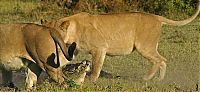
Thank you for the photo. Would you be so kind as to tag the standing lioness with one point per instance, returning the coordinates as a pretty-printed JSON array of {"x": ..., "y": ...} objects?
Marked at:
[
  {"x": 33, "y": 46},
  {"x": 118, "y": 34}
]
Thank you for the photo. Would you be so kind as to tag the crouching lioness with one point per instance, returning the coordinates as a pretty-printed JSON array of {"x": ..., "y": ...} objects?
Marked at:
[
  {"x": 118, "y": 34},
  {"x": 35, "y": 47}
]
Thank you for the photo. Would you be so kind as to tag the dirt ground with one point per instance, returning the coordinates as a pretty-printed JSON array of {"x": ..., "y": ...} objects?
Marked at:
[{"x": 19, "y": 78}]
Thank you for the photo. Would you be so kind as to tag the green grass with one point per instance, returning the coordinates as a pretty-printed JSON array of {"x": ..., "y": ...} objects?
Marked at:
[{"x": 179, "y": 45}]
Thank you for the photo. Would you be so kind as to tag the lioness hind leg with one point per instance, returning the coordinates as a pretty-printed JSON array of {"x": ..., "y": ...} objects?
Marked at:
[
  {"x": 154, "y": 69},
  {"x": 32, "y": 74},
  {"x": 7, "y": 78},
  {"x": 158, "y": 63},
  {"x": 162, "y": 70}
]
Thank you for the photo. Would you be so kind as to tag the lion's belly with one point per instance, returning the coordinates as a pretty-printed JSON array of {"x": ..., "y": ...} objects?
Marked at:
[
  {"x": 119, "y": 51},
  {"x": 120, "y": 41},
  {"x": 14, "y": 63},
  {"x": 119, "y": 47}
]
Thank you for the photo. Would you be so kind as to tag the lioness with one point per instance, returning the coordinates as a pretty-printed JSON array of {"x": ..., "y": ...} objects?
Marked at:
[
  {"x": 118, "y": 34},
  {"x": 33, "y": 46}
]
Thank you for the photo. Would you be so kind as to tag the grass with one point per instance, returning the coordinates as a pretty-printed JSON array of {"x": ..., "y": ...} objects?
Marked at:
[{"x": 179, "y": 45}]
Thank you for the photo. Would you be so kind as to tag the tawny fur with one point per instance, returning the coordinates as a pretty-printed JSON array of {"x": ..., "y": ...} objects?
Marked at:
[
  {"x": 118, "y": 34},
  {"x": 32, "y": 46}
]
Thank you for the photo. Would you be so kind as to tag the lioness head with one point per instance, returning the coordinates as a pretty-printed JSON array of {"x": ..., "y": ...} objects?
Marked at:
[
  {"x": 59, "y": 25},
  {"x": 76, "y": 72}
]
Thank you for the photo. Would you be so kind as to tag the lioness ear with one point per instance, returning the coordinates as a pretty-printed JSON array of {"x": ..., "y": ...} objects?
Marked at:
[{"x": 65, "y": 25}]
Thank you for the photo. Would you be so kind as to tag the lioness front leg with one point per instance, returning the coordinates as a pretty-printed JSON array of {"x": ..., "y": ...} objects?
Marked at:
[
  {"x": 32, "y": 74},
  {"x": 98, "y": 59}
]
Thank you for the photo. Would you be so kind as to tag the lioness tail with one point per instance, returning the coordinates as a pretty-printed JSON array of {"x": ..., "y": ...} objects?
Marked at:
[{"x": 182, "y": 22}]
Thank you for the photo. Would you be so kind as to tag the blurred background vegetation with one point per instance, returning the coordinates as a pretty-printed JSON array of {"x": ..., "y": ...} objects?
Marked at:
[
  {"x": 39, "y": 9},
  {"x": 160, "y": 7}
]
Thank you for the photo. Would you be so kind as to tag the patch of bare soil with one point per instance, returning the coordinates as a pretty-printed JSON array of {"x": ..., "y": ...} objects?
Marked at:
[{"x": 19, "y": 80}]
